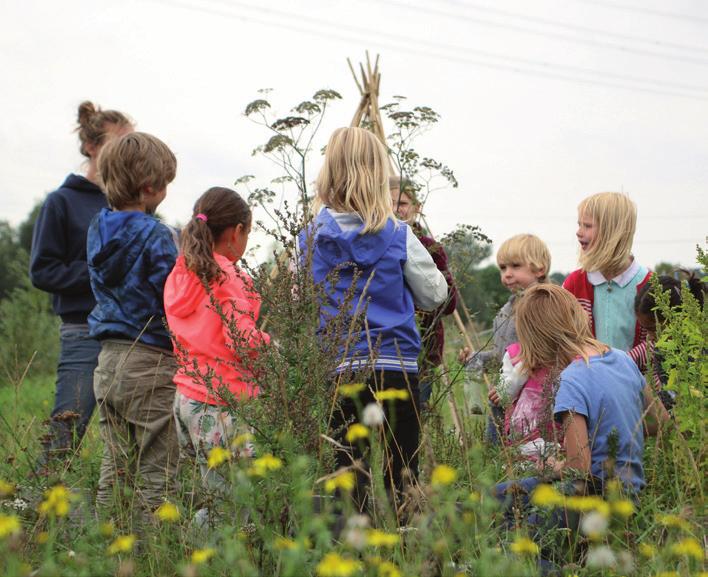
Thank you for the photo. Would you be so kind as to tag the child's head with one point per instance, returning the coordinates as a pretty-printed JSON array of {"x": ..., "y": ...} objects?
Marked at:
[
  {"x": 221, "y": 222},
  {"x": 405, "y": 201},
  {"x": 95, "y": 126},
  {"x": 645, "y": 301},
  {"x": 135, "y": 170},
  {"x": 606, "y": 225},
  {"x": 523, "y": 260},
  {"x": 354, "y": 177},
  {"x": 552, "y": 327}
]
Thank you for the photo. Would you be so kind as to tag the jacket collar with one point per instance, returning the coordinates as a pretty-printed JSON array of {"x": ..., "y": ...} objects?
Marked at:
[{"x": 622, "y": 280}]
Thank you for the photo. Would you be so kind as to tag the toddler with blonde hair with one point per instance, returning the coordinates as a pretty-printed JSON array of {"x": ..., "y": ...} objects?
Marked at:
[{"x": 523, "y": 261}]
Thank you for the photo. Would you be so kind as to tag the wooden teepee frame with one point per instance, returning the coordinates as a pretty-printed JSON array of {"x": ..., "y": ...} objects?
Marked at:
[
  {"x": 369, "y": 115},
  {"x": 368, "y": 111}
]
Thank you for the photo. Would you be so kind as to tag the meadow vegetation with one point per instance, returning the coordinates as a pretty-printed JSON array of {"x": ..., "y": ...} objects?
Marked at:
[{"x": 288, "y": 511}]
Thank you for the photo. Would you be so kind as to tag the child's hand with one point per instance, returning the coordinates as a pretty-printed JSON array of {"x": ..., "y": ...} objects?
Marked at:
[
  {"x": 556, "y": 465},
  {"x": 465, "y": 354},
  {"x": 494, "y": 397}
]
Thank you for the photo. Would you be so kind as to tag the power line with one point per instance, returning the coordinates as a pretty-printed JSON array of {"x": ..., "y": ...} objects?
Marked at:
[
  {"x": 559, "y": 35},
  {"x": 547, "y": 69},
  {"x": 576, "y": 27},
  {"x": 650, "y": 11},
  {"x": 483, "y": 53}
]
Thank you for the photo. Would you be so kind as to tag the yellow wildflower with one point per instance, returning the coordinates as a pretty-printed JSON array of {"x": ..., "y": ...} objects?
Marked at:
[
  {"x": 9, "y": 525},
  {"x": 355, "y": 432},
  {"x": 285, "y": 544},
  {"x": 585, "y": 504},
  {"x": 106, "y": 529},
  {"x": 217, "y": 456},
  {"x": 344, "y": 481},
  {"x": 122, "y": 544},
  {"x": 6, "y": 489},
  {"x": 376, "y": 538},
  {"x": 263, "y": 465},
  {"x": 668, "y": 574},
  {"x": 623, "y": 508},
  {"x": 201, "y": 556},
  {"x": 392, "y": 395},
  {"x": 56, "y": 501},
  {"x": 333, "y": 565},
  {"x": 241, "y": 440},
  {"x": 646, "y": 550},
  {"x": 689, "y": 547},
  {"x": 546, "y": 496},
  {"x": 42, "y": 537},
  {"x": 614, "y": 486},
  {"x": 443, "y": 475},
  {"x": 673, "y": 521},
  {"x": 351, "y": 389},
  {"x": 524, "y": 546},
  {"x": 167, "y": 512},
  {"x": 388, "y": 569}
]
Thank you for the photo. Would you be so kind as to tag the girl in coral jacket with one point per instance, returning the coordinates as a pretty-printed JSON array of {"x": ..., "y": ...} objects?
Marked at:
[
  {"x": 213, "y": 333},
  {"x": 609, "y": 278}
]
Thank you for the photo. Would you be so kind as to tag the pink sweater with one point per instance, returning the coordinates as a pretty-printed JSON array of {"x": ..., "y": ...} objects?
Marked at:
[{"x": 205, "y": 338}]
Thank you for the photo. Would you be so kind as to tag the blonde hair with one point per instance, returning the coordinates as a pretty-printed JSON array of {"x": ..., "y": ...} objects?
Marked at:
[
  {"x": 526, "y": 249},
  {"x": 552, "y": 327},
  {"x": 131, "y": 163},
  {"x": 614, "y": 218},
  {"x": 354, "y": 177}
]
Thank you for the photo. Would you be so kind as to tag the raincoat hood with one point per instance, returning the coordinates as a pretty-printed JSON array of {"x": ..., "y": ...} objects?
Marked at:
[
  {"x": 191, "y": 289},
  {"x": 335, "y": 244},
  {"x": 130, "y": 255},
  {"x": 121, "y": 241}
]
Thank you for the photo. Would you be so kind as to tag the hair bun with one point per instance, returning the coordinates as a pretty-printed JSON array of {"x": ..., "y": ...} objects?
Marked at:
[{"x": 86, "y": 110}]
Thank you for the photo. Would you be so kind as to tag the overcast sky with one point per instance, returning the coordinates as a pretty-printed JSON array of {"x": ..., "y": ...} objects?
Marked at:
[{"x": 542, "y": 102}]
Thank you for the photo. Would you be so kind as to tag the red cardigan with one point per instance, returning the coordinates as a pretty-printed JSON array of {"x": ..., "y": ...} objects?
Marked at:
[{"x": 578, "y": 284}]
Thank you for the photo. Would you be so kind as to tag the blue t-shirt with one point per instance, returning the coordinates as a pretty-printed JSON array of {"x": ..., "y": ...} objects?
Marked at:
[{"x": 608, "y": 393}]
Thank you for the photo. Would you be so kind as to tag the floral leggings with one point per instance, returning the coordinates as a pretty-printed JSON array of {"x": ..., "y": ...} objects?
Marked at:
[{"x": 202, "y": 427}]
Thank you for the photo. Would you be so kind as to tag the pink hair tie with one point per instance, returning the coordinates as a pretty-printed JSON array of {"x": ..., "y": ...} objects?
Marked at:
[{"x": 201, "y": 216}]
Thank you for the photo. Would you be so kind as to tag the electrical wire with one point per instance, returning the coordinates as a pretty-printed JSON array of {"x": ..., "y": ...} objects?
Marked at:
[
  {"x": 570, "y": 26},
  {"x": 485, "y": 54},
  {"x": 515, "y": 64},
  {"x": 559, "y": 35},
  {"x": 650, "y": 11}
]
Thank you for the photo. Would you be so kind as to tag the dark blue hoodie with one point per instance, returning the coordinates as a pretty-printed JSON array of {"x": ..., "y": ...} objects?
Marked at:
[
  {"x": 58, "y": 261},
  {"x": 381, "y": 291},
  {"x": 130, "y": 255}
]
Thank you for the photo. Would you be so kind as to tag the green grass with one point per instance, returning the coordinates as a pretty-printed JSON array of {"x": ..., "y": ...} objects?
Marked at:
[{"x": 268, "y": 526}]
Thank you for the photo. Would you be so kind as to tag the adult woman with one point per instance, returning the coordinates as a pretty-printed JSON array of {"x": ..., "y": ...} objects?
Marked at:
[{"x": 58, "y": 266}]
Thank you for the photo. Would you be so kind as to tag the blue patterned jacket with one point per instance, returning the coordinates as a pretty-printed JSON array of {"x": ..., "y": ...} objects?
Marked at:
[{"x": 130, "y": 255}]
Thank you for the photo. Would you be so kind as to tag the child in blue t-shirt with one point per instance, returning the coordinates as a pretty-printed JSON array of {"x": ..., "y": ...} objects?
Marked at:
[{"x": 601, "y": 397}]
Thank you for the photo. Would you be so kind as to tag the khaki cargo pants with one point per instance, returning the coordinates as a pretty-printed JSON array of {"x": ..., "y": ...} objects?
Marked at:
[{"x": 135, "y": 393}]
